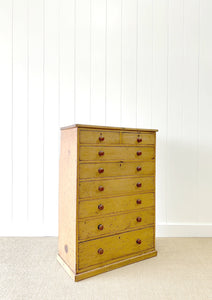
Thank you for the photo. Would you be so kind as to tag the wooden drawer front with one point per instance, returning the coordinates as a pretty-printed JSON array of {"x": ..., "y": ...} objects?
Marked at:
[
  {"x": 115, "y": 247},
  {"x": 99, "y": 137},
  {"x": 106, "y": 169},
  {"x": 138, "y": 138},
  {"x": 109, "y": 187},
  {"x": 93, "y": 228},
  {"x": 116, "y": 153},
  {"x": 101, "y": 207}
]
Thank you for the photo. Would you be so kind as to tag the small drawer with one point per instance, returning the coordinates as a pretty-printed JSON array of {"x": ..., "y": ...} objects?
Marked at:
[
  {"x": 93, "y": 228},
  {"x": 138, "y": 138},
  {"x": 111, "y": 187},
  {"x": 105, "y": 206},
  {"x": 99, "y": 137},
  {"x": 107, "y": 169},
  {"x": 100, "y": 251},
  {"x": 105, "y": 153}
]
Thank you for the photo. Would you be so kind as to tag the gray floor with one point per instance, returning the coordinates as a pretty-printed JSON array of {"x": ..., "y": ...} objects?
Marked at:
[{"x": 182, "y": 270}]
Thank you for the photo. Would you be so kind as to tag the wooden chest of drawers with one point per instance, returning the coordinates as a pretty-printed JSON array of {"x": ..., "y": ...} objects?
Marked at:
[{"x": 106, "y": 198}]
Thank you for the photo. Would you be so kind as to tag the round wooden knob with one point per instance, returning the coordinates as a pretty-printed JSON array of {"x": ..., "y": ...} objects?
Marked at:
[
  {"x": 138, "y": 241},
  {"x": 101, "y": 170},
  {"x": 101, "y": 188},
  {"x": 100, "y": 227},
  {"x": 138, "y": 184},
  {"x": 139, "y": 153},
  {"x": 101, "y": 138},
  {"x": 138, "y": 201},
  {"x": 100, "y": 251},
  {"x": 100, "y": 206},
  {"x": 101, "y": 153},
  {"x": 138, "y": 168},
  {"x": 138, "y": 219},
  {"x": 139, "y": 140}
]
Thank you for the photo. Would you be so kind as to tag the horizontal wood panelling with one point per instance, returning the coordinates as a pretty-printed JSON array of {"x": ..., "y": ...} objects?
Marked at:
[{"x": 139, "y": 63}]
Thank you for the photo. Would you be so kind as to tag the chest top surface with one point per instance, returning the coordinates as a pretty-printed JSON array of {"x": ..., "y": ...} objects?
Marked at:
[{"x": 108, "y": 128}]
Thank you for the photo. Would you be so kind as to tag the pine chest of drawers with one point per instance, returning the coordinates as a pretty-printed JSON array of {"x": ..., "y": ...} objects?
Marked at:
[{"x": 106, "y": 198}]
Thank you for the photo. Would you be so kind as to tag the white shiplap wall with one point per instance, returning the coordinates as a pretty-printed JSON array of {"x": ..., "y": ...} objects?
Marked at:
[{"x": 132, "y": 63}]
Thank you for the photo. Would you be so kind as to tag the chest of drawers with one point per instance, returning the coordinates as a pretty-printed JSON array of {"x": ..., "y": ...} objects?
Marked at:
[{"x": 106, "y": 198}]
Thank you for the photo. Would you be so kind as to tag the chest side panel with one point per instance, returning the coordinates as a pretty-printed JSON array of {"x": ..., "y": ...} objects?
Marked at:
[{"x": 68, "y": 197}]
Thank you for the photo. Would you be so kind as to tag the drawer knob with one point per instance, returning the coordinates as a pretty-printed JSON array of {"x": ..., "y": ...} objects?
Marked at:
[
  {"x": 101, "y": 153},
  {"x": 101, "y": 188},
  {"x": 100, "y": 227},
  {"x": 100, "y": 206},
  {"x": 138, "y": 219},
  {"x": 139, "y": 168},
  {"x": 139, "y": 140},
  {"x": 101, "y": 170},
  {"x": 138, "y": 241},
  {"x": 101, "y": 138},
  {"x": 100, "y": 251},
  {"x": 139, "y": 184},
  {"x": 138, "y": 201},
  {"x": 139, "y": 153}
]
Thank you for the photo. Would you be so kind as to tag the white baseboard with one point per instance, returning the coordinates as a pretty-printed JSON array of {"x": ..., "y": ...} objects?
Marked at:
[
  {"x": 28, "y": 230},
  {"x": 184, "y": 230},
  {"x": 162, "y": 230}
]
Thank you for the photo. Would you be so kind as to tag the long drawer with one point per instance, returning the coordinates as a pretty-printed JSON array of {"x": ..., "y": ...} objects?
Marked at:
[
  {"x": 105, "y": 206},
  {"x": 105, "y": 249},
  {"x": 93, "y": 228},
  {"x": 110, "y": 169},
  {"x": 111, "y": 187},
  {"x": 104, "y": 153}
]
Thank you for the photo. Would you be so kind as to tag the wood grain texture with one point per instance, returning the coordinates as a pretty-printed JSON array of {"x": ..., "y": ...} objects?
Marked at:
[
  {"x": 92, "y": 137},
  {"x": 138, "y": 139},
  {"x": 81, "y": 228},
  {"x": 106, "y": 268},
  {"x": 121, "y": 186},
  {"x": 68, "y": 198},
  {"x": 114, "y": 205},
  {"x": 95, "y": 127},
  {"x": 93, "y": 170},
  {"x": 88, "y": 228},
  {"x": 115, "y": 247},
  {"x": 116, "y": 153}
]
